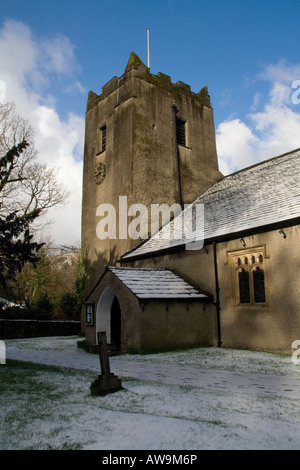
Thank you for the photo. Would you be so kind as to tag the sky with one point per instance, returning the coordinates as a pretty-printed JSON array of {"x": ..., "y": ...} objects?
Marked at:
[{"x": 246, "y": 51}]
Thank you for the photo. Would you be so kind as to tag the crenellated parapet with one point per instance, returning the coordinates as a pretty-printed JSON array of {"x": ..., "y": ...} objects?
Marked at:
[{"x": 135, "y": 68}]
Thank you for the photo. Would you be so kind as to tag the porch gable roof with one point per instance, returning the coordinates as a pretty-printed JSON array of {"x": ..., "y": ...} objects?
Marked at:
[{"x": 148, "y": 283}]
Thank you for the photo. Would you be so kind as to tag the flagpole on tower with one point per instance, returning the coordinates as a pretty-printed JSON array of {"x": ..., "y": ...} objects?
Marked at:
[{"x": 148, "y": 48}]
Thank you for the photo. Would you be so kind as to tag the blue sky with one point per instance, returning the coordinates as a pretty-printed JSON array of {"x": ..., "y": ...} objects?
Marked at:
[{"x": 53, "y": 52}]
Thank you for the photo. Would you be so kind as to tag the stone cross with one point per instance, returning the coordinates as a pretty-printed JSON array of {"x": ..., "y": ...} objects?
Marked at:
[
  {"x": 106, "y": 382},
  {"x": 103, "y": 353}
]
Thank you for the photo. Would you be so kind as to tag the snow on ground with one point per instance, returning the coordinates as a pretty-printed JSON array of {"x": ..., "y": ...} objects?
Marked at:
[
  {"x": 234, "y": 360},
  {"x": 50, "y": 343},
  {"x": 51, "y": 408}
]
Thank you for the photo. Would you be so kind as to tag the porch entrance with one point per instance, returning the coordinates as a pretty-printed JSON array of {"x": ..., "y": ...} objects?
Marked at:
[{"x": 108, "y": 319}]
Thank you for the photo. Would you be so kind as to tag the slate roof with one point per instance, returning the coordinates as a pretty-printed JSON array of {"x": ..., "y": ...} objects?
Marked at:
[
  {"x": 262, "y": 195},
  {"x": 147, "y": 283}
]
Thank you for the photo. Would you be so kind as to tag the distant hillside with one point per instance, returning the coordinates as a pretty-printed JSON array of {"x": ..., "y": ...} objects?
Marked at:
[{"x": 64, "y": 267}]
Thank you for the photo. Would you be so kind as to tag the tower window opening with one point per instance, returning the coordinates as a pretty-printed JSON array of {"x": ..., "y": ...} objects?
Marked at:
[
  {"x": 180, "y": 132},
  {"x": 103, "y": 138}
]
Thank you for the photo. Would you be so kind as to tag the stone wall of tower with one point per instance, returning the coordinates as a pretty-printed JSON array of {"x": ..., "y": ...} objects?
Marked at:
[{"x": 140, "y": 153}]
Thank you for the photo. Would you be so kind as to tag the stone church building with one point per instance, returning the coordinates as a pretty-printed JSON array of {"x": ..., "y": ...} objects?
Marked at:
[{"x": 151, "y": 143}]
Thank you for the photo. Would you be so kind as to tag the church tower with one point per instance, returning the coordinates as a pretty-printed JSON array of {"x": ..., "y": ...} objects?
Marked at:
[{"x": 149, "y": 140}]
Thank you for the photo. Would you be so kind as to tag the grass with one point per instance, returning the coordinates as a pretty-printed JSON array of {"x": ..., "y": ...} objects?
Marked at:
[
  {"x": 32, "y": 394},
  {"x": 46, "y": 407}
]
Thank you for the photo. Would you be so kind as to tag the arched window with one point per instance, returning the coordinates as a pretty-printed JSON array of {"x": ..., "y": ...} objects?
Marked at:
[
  {"x": 249, "y": 276},
  {"x": 244, "y": 286},
  {"x": 259, "y": 285}
]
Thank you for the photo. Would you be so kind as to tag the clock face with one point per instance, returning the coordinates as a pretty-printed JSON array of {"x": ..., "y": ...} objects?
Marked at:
[{"x": 99, "y": 173}]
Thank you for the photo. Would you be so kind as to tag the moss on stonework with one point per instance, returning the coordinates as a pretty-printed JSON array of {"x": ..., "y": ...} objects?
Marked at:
[
  {"x": 164, "y": 81},
  {"x": 134, "y": 61},
  {"x": 156, "y": 79}
]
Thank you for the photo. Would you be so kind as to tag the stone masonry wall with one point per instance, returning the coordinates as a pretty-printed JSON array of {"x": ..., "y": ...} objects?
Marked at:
[{"x": 11, "y": 329}]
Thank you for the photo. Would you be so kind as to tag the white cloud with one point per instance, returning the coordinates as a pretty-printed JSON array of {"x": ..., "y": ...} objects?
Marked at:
[
  {"x": 273, "y": 130},
  {"x": 74, "y": 87},
  {"x": 18, "y": 51},
  {"x": 27, "y": 66},
  {"x": 58, "y": 53},
  {"x": 256, "y": 100},
  {"x": 60, "y": 144},
  {"x": 282, "y": 72},
  {"x": 235, "y": 142}
]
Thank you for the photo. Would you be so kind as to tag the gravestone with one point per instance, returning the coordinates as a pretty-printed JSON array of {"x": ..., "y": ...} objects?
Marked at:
[
  {"x": 2, "y": 353},
  {"x": 106, "y": 382}
]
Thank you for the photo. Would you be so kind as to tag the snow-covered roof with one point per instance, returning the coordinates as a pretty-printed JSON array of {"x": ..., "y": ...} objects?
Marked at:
[
  {"x": 147, "y": 283},
  {"x": 265, "y": 194}
]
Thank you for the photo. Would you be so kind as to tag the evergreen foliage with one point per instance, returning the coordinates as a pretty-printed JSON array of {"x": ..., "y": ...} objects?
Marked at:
[{"x": 16, "y": 244}]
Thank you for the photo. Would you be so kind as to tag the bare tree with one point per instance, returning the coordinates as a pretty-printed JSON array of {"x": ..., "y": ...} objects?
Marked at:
[
  {"x": 27, "y": 190},
  {"x": 27, "y": 185}
]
